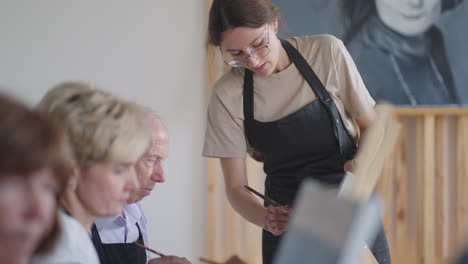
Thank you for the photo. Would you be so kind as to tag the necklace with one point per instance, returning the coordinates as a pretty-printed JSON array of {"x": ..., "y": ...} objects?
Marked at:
[{"x": 404, "y": 83}]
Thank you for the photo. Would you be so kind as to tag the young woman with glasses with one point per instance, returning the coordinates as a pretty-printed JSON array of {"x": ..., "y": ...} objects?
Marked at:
[{"x": 298, "y": 105}]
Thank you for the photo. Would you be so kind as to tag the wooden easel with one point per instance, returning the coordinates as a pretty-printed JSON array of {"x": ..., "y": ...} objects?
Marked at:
[{"x": 375, "y": 148}]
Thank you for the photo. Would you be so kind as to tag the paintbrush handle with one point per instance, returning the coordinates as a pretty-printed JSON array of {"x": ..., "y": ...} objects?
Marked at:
[
  {"x": 149, "y": 249},
  {"x": 267, "y": 199}
]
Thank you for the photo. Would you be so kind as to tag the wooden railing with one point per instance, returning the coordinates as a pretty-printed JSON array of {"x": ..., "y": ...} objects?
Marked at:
[
  {"x": 424, "y": 185},
  {"x": 227, "y": 232}
]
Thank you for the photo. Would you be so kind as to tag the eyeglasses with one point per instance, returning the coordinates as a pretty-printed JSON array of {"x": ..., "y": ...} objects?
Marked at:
[{"x": 240, "y": 61}]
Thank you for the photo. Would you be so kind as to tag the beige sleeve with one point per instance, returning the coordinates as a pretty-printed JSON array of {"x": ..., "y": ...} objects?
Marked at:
[
  {"x": 224, "y": 138},
  {"x": 353, "y": 92}
]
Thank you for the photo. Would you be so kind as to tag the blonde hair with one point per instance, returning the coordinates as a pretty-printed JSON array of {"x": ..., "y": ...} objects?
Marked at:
[{"x": 100, "y": 126}]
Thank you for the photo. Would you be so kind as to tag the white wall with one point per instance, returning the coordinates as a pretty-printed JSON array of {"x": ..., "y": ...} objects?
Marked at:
[{"x": 150, "y": 51}]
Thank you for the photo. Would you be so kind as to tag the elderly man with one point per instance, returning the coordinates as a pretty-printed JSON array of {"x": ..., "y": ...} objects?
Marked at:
[{"x": 113, "y": 237}]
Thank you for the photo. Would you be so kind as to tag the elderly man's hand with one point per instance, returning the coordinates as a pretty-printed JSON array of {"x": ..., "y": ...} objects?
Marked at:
[{"x": 169, "y": 260}]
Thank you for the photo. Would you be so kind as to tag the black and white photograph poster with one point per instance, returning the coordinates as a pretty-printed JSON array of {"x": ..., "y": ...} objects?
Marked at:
[{"x": 408, "y": 52}]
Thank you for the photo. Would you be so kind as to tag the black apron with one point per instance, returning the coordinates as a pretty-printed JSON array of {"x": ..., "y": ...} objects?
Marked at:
[
  {"x": 119, "y": 253},
  {"x": 310, "y": 143}
]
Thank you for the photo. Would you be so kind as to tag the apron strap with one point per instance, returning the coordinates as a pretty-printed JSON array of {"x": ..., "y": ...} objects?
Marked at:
[
  {"x": 95, "y": 235},
  {"x": 248, "y": 95},
  {"x": 140, "y": 236},
  {"x": 322, "y": 93},
  {"x": 97, "y": 243}
]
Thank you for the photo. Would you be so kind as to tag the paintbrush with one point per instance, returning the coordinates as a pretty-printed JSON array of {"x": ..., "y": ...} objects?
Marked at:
[
  {"x": 149, "y": 249},
  {"x": 267, "y": 199}
]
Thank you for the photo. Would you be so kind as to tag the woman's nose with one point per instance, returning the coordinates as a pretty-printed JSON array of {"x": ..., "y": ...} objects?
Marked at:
[{"x": 252, "y": 62}]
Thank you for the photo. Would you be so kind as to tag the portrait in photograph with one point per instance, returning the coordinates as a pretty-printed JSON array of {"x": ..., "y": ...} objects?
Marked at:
[{"x": 408, "y": 52}]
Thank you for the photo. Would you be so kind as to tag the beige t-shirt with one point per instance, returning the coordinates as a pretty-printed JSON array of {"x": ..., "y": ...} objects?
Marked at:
[{"x": 283, "y": 93}]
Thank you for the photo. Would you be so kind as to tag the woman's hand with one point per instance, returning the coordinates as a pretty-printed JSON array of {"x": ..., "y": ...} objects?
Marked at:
[
  {"x": 169, "y": 260},
  {"x": 349, "y": 165},
  {"x": 234, "y": 260},
  {"x": 276, "y": 219}
]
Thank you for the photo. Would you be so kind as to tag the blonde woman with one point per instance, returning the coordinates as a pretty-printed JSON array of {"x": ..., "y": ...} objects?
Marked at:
[{"x": 107, "y": 136}]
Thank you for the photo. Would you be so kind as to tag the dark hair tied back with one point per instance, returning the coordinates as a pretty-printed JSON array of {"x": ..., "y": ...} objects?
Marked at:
[{"x": 226, "y": 14}]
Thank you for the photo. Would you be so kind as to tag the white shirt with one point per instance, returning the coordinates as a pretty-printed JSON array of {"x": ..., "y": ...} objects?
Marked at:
[
  {"x": 120, "y": 229},
  {"x": 74, "y": 245}
]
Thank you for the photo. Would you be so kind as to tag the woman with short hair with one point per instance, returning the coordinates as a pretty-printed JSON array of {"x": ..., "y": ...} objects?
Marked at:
[
  {"x": 107, "y": 137},
  {"x": 34, "y": 164}
]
